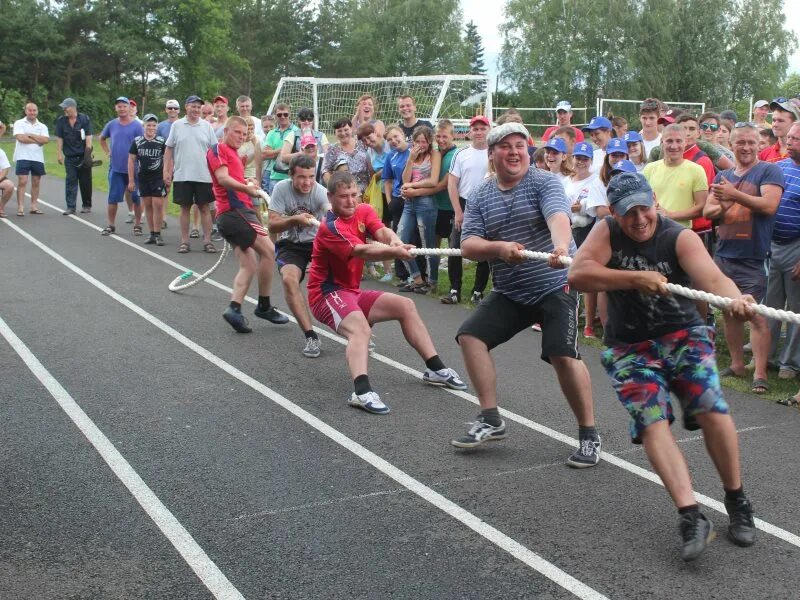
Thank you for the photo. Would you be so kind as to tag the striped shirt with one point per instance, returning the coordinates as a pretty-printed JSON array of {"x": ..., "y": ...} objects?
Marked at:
[
  {"x": 520, "y": 215},
  {"x": 787, "y": 219}
]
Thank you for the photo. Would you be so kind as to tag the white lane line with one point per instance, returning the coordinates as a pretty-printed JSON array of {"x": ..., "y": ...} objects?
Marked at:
[
  {"x": 184, "y": 543},
  {"x": 495, "y": 536},
  {"x": 613, "y": 459},
  {"x": 694, "y": 438}
]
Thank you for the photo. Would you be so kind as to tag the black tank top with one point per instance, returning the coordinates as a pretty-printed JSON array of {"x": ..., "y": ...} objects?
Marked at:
[{"x": 633, "y": 316}]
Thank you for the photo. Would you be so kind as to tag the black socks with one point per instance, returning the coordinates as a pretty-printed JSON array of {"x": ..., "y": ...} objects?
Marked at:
[
  {"x": 361, "y": 384},
  {"x": 263, "y": 302},
  {"x": 311, "y": 334},
  {"x": 236, "y": 306},
  {"x": 692, "y": 508},
  {"x": 434, "y": 363}
]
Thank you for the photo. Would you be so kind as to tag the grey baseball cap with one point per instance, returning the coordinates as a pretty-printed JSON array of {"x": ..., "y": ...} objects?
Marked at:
[
  {"x": 149, "y": 117},
  {"x": 627, "y": 190},
  {"x": 501, "y": 132},
  {"x": 68, "y": 103}
]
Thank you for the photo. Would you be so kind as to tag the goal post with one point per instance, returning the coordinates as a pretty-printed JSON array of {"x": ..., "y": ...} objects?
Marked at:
[{"x": 454, "y": 97}]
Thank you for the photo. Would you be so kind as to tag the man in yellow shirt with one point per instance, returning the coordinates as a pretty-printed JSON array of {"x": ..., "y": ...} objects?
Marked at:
[{"x": 680, "y": 185}]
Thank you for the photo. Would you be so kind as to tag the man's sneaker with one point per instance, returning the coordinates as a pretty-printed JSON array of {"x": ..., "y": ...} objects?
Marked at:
[
  {"x": 697, "y": 531},
  {"x": 742, "y": 528},
  {"x": 446, "y": 377},
  {"x": 151, "y": 239},
  {"x": 130, "y": 218},
  {"x": 479, "y": 433},
  {"x": 159, "y": 240},
  {"x": 587, "y": 454},
  {"x": 86, "y": 209},
  {"x": 588, "y": 332},
  {"x": 69, "y": 211},
  {"x": 370, "y": 402},
  {"x": 272, "y": 315},
  {"x": 215, "y": 236},
  {"x": 451, "y": 298},
  {"x": 476, "y": 298},
  {"x": 236, "y": 320},
  {"x": 194, "y": 233},
  {"x": 313, "y": 348}
]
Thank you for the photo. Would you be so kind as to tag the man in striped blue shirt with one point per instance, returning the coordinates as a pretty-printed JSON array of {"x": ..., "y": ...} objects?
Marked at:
[
  {"x": 783, "y": 287},
  {"x": 523, "y": 209}
]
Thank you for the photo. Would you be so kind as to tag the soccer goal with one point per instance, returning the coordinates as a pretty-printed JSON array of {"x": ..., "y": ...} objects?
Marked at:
[{"x": 454, "y": 97}]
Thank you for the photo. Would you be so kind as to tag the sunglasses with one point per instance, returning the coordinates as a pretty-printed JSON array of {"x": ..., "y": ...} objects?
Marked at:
[
  {"x": 281, "y": 114},
  {"x": 707, "y": 126},
  {"x": 741, "y": 124},
  {"x": 172, "y": 108},
  {"x": 649, "y": 105}
]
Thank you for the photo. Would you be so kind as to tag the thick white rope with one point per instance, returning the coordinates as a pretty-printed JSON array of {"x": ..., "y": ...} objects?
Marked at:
[{"x": 719, "y": 301}]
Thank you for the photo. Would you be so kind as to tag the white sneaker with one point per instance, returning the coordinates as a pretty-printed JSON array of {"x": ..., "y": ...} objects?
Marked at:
[
  {"x": 313, "y": 348},
  {"x": 370, "y": 402},
  {"x": 130, "y": 218},
  {"x": 446, "y": 377}
]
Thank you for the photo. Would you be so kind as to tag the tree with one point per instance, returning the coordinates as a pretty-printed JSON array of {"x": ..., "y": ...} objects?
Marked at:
[{"x": 475, "y": 50}]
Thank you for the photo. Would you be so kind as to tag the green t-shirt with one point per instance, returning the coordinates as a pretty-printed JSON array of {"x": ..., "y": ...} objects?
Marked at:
[
  {"x": 443, "y": 198},
  {"x": 274, "y": 140}
]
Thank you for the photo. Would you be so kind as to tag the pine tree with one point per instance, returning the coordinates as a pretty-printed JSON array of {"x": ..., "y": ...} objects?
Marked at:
[{"x": 474, "y": 45}]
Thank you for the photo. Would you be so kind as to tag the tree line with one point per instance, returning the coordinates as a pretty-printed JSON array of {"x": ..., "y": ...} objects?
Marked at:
[{"x": 721, "y": 51}]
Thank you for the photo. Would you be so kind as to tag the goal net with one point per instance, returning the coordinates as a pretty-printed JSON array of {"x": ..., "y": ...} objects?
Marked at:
[
  {"x": 630, "y": 108},
  {"x": 454, "y": 97}
]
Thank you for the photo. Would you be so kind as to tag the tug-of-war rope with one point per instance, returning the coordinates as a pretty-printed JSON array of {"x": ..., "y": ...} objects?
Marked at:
[{"x": 185, "y": 280}]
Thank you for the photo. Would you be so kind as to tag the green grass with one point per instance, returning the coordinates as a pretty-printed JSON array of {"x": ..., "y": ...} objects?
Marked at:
[{"x": 52, "y": 168}]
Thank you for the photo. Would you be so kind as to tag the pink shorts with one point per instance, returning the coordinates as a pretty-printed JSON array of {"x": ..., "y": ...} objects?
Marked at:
[{"x": 335, "y": 306}]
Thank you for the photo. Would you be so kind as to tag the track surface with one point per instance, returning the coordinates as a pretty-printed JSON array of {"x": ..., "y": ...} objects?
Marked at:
[{"x": 257, "y": 481}]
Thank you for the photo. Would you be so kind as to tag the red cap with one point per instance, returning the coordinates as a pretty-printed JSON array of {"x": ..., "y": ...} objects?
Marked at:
[
  {"x": 222, "y": 99},
  {"x": 479, "y": 119},
  {"x": 666, "y": 120},
  {"x": 132, "y": 103}
]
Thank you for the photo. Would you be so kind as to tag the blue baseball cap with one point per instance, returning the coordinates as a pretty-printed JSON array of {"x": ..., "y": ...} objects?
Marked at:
[
  {"x": 583, "y": 149},
  {"x": 122, "y": 99},
  {"x": 598, "y": 123},
  {"x": 632, "y": 136},
  {"x": 617, "y": 145},
  {"x": 627, "y": 190},
  {"x": 557, "y": 144},
  {"x": 622, "y": 166},
  {"x": 192, "y": 99}
]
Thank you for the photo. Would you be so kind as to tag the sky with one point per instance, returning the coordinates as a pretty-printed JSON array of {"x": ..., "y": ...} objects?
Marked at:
[{"x": 488, "y": 22}]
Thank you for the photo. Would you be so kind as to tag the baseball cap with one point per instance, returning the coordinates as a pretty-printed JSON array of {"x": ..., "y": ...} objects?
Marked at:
[
  {"x": 173, "y": 104},
  {"x": 122, "y": 99},
  {"x": 192, "y": 99},
  {"x": 632, "y": 136},
  {"x": 557, "y": 144},
  {"x": 479, "y": 119},
  {"x": 308, "y": 140},
  {"x": 68, "y": 102},
  {"x": 787, "y": 105},
  {"x": 583, "y": 149},
  {"x": 564, "y": 105},
  {"x": 627, "y": 190},
  {"x": 666, "y": 120},
  {"x": 132, "y": 103},
  {"x": 501, "y": 132},
  {"x": 760, "y": 103},
  {"x": 222, "y": 99},
  {"x": 729, "y": 114},
  {"x": 622, "y": 166},
  {"x": 149, "y": 117},
  {"x": 341, "y": 164},
  {"x": 598, "y": 123},
  {"x": 617, "y": 145}
]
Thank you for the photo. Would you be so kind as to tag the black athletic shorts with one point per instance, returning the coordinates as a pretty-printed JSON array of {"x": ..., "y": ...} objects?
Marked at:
[
  {"x": 292, "y": 253},
  {"x": 186, "y": 193},
  {"x": 152, "y": 188},
  {"x": 497, "y": 319},
  {"x": 444, "y": 223},
  {"x": 240, "y": 227}
]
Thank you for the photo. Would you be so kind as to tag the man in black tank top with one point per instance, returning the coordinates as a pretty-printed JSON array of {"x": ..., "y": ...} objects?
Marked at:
[{"x": 658, "y": 345}]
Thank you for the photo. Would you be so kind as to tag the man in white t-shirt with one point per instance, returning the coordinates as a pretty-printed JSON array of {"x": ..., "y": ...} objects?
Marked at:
[
  {"x": 599, "y": 129},
  {"x": 467, "y": 171},
  {"x": 649, "y": 113},
  {"x": 6, "y": 185},
  {"x": 31, "y": 134},
  {"x": 244, "y": 106}
]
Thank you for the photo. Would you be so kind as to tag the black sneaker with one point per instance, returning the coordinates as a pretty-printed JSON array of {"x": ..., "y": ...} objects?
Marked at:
[
  {"x": 272, "y": 315},
  {"x": 151, "y": 239},
  {"x": 479, "y": 433},
  {"x": 476, "y": 298},
  {"x": 236, "y": 320},
  {"x": 587, "y": 454},
  {"x": 697, "y": 531},
  {"x": 451, "y": 298},
  {"x": 69, "y": 211},
  {"x": 742, "y": 528}
]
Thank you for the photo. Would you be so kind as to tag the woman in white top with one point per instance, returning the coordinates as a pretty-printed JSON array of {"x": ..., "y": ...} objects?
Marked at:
[
  {"x": 587, "y": 198},
  {"x": 557, "y": 160},
  {"x": 635, "y": 149}
]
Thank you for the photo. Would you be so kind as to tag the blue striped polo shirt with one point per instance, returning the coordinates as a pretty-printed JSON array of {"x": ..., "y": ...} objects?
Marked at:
[
  {"x": 787, "y": 219},
  {"x": 520, "y": 215}
]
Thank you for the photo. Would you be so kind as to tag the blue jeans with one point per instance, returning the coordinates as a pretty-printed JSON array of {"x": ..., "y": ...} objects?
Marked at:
[{"x": 420, "y": 213}]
